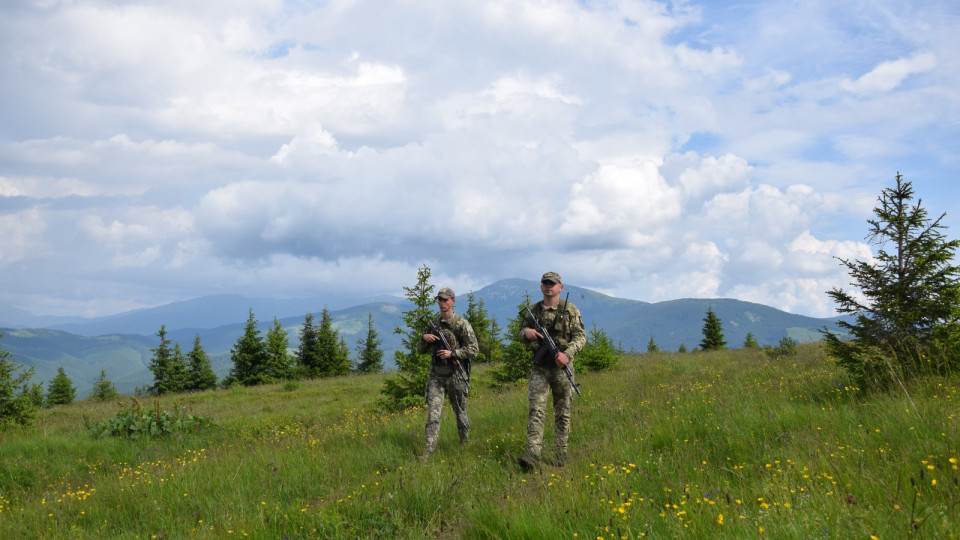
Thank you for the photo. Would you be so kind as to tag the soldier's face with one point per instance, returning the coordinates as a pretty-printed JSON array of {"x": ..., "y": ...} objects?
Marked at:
[
  {"x": 446, "y": 304},
  {"x": 550, "y": 288}
]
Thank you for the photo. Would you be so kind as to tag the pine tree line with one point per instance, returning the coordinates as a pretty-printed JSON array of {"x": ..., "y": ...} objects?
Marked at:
[{"x": 261, "y": 359}]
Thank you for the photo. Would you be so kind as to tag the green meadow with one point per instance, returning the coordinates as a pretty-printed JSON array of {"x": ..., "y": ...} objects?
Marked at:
[{"x": 728, "y": 444}]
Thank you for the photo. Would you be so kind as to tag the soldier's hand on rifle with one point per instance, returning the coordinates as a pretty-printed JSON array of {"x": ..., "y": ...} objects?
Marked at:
[
  {"x": 562, "y": 359},
  {"x": 530, "y": 334},
  {"x": 430, "y": 338},
  {"x": 444, "y": 354}
]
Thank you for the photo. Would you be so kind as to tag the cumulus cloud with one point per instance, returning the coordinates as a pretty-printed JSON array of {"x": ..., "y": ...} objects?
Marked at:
[{"x": 620, "y": 206}]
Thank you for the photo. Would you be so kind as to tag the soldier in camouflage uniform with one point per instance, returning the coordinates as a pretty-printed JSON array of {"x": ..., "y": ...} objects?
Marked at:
[
  {"x": 445, "y": 378},
  {"x": 562, "y": 320}
]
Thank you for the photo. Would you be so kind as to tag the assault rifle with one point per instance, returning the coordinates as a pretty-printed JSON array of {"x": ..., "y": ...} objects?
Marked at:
[
  {"x": 548, "y": 347},
  {"x": 444, "y": 345}
]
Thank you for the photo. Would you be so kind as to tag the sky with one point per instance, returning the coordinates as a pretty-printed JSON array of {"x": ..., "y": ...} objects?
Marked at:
[{"x": 152, "y": 152}]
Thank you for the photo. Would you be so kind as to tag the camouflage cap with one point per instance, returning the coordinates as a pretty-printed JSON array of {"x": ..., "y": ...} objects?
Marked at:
[
  {"x": 446, "y": 293},
  {"x": 551, "y": 276}
]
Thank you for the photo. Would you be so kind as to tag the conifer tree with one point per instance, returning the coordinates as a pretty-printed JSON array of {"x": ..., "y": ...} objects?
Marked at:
[
  {"x": 652, "y": 346},
  {"x": 178, "y": 369},
  {"x": 486, "y": 330},
  {"x": 308, "y": 352},
  {"x": 326, "y": 344},
  {"x": 164, "y": 366},
  {"x": 343, "y": 365},
  {"x": 103, "y": 388},
  {"x": 907, "y": 312},
  {"x": 333, "y": 355},
  {"x": 786, "y": 347},
  {"x": 517, "y": 355},
  {"x": 278, "y": 365},
  {"x": 712, "y": 333},
  {"x": 61, "y": 390},
  {"x": 16, "y": 405},
  {"x": 682, "y": 349},
  {"x": 406, "y": 388},
  {"x": 34, "y": 392},
  {"x": 369, "y": 353},
  {"x": 599, "y": 353},
  {"x": 249, "y": 356},
  {"x": 200, "y": 375},
  {"x": 750, "y": 342}
]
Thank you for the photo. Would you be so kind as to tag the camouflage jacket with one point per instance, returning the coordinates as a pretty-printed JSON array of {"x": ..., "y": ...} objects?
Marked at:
[
  {"x": 564, "y": 323},
  {"x": 464, "y": 344}
]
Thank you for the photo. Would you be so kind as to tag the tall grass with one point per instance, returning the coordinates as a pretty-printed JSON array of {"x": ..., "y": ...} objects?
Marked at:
[{"x": 730, "y": 444}]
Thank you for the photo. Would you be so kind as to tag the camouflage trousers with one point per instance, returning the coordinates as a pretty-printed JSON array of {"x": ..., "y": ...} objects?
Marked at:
[
  {"x": 439, "y": 386},
  {"x": 543, "y": 380}
]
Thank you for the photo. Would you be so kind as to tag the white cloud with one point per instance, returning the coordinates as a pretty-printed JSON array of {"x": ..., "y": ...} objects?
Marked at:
[
  {"x": 820, "y": 257},
  {"x": 43, "y": 188},
  {"x": 772, "y": 80},
  {"x": 889, "y": 75},
  {"x": 705, "y": 261},
  {"x": 21, "y": 231},
  {"x": 626, "y": 204},
  {"x": 254, "y": 100},
  {"x": 117, "y": 165},
  {"x": 143, "y": 236},
  {"x": 713, "y": 175}
]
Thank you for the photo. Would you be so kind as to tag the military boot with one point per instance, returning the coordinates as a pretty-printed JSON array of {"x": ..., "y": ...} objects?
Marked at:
[{"x": 528, "y": 462}]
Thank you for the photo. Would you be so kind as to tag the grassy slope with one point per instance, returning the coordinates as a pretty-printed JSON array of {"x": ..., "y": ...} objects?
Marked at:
[{"x": 721, "y": 445}]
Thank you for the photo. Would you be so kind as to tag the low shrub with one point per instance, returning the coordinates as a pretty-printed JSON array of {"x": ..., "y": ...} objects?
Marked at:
[{"x": 135, "y": 422}]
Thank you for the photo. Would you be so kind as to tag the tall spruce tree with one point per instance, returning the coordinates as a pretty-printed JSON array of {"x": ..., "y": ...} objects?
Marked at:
[
  {"x": 200, "y": 375},
  {"x": 333, "y": 354},
  {"x": 164, "y": 366},
  {"x": 278, "y": 366},
  {"x": 907, "y": 312},
  {"x": 178, "y": 369},
  {"x": 326, "y": 344},
  {"x": 61, "y": 390},
  {"x": 308, "y": 352},
  {"x": 652, "y": 346},
  {"x": 712, "y": 333},
  {"x": 750, "y": 342},
  {"x": 249, "y": 356},
  {"x": 406, "y": 388},
  {"x": 369, "y": 353}
]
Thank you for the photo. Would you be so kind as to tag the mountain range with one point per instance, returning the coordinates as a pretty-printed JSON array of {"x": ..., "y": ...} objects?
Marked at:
[{"x": 121, "y": 344}]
